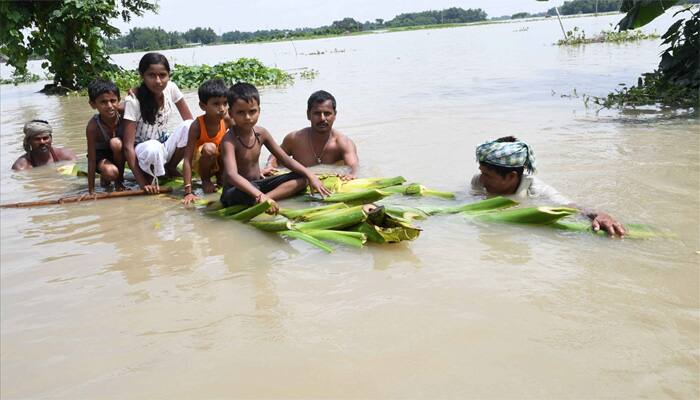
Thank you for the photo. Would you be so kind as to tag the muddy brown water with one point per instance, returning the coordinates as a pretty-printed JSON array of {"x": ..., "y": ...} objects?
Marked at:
[{"x": 140, "y": 298}]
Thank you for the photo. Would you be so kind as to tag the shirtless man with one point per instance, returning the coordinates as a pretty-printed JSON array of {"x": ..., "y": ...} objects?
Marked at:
[
  {"x": 319, "y": 143},
  {"x": 37, "y": 144}
]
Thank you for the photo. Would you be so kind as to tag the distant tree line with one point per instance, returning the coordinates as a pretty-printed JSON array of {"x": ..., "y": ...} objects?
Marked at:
[{"x": 157, "y": 38}]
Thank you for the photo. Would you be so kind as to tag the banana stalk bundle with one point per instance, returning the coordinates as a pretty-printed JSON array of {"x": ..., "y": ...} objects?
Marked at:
[{"x": 351, "y": 218}]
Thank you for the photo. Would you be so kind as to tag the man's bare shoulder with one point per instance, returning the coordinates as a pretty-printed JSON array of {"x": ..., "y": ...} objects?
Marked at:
[
  {"x": 64, "y": 154},
  {"x": 342, "y": 139},
  {"x": 296, "y": 135},
  {"x": 22, "y": 163}
]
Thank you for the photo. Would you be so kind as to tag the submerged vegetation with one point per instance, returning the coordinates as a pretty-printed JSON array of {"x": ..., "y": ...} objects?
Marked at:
[{"x": 577, "y": 36}]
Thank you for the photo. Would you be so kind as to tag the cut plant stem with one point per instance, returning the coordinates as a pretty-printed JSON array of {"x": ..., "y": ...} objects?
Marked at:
[
  {"x": 251, "y": 212},
  {"x": 302, "y": 213},
  {"x": 337, "y": 220},
  {"x": 364, "y": 196},
  {"x": 272, "y": 225}
]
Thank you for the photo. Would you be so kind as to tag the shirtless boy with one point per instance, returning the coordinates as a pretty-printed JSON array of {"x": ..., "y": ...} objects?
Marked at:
[
  {"x": 38, "y": 145},
  {"x": 104, "y": 133},
  {"x": 240, "y": 149},
  {"x": 206, "y": 132},
  {"x": 507, "y": 166},
  {"x": 319, "y": 143}
]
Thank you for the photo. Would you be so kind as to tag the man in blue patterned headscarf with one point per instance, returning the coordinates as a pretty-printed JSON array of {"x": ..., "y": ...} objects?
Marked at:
[
  {"x": 502, "y": 163},
  {"x": 507, "y": 152},
  {"x": 507, "y": 166}
]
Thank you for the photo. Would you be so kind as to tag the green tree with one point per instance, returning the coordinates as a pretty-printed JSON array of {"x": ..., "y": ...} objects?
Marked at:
[
  {"x": 346, "y": 25},
  {"x": 68, "y": 33},
  {"x": 201, "y": 35},
  {"x": 676, "y": 81}
]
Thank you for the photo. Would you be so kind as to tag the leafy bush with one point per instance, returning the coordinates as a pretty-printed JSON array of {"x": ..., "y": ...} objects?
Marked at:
[
  {"x": 248, "y": 70},
  {"x": 676, "y": 81}
]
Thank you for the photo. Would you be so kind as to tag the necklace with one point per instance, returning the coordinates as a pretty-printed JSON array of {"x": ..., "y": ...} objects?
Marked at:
[
  {"x": 112, "y": 128},
  {"x": 318, "y": 156},
  {"x": 255, "y": 138}
]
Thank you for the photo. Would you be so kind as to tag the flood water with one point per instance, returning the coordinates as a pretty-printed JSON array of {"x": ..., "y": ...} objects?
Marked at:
[{"x": 141, "y": 298}]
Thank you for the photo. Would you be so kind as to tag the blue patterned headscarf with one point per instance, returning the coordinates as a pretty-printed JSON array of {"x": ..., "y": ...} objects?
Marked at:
[{"x": 507, "y": 154}]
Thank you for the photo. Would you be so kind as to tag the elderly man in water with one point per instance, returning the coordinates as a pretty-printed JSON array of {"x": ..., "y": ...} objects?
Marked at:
[
  {"x": 38, "y": 146},
  {"x": 319, "y": 143},
  {"x": 507, "y": 167}
]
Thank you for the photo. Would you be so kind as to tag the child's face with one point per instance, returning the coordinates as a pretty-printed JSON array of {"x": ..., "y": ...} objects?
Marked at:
[
  {"x": 321, "y": 116},
  {"x": 497, "y": 184},
  {"x": 245, "y": 114},
  {"x": 106, "y": 104},
  {"x": 215, "y": 107},
  {"x": 156, "y": 78}
]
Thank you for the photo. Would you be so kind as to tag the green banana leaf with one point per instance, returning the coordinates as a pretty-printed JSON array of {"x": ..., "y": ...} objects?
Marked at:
[
  {"x": 74, "y": 169},
  {"x": 360, "y": 184},
  {"x": 405, "y": 212},
  {"x": 353, "y": 239},
  {"x": 633, "y": 231},
  {"x": 415, "y": 189},
  {"x": 360, "y": 197},
  {"x": 382, "y": 227},
  {"x": 641, "y": 12},
  {"x": 529, "y": 215},
  {"x": 494, "y": 203},
  {"x": 307, "y": 238}
]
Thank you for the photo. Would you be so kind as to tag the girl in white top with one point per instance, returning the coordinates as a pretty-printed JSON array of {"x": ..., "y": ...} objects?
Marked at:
[{"x": 146, "y": 116}]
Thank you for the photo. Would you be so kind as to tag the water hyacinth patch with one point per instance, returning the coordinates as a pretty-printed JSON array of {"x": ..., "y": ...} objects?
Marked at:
[{"x": 248, "y": 70}]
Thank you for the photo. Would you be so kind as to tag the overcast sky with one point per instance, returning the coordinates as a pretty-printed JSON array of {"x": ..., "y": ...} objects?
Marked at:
[{"x": 252, "y": 15}]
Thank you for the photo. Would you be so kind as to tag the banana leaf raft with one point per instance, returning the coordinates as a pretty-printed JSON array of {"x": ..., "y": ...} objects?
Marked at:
[{"x": 352, "y": 217}]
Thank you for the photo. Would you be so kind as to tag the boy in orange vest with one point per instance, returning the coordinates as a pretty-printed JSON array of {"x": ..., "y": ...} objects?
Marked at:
[{"x": 202, "y": 152}]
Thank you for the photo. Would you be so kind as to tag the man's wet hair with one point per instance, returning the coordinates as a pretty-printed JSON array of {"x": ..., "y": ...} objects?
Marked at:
[
  {"x": 242, "y": 91},
  {"x": 319, "y": 97},
  {"x": 212, "y": 88},
  {"x": 101, "y": 86},
  {"x": 501, "y": 170}
]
